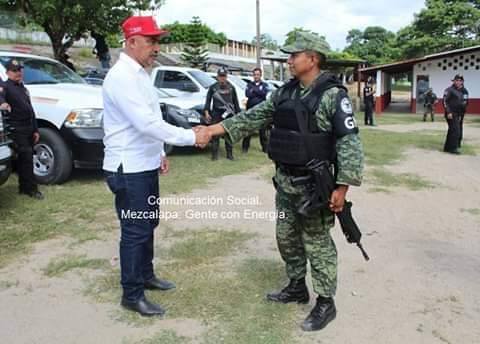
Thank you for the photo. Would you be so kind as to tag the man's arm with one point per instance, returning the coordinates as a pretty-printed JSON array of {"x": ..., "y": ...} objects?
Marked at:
[
  {"x": 249, "y": 90},
  {"x": 3, "y": 97},
  {"x": 348, "y": 146},
  {"x": 245, "y": 123},
  {"x": 208, "y": 100},
  {"x": 236, "y": 105},
  {"x": 264, "y": 90},
  {"x": 134, "y": 107},
  {"x": 446, "y": 99}
]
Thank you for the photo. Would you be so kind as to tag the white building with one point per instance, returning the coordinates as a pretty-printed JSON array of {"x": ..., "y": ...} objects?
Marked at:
[{"x": 435, "y": 71}]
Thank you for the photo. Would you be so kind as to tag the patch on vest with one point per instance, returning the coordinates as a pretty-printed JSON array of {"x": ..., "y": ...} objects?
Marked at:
[{"x": 346, "y": 106}]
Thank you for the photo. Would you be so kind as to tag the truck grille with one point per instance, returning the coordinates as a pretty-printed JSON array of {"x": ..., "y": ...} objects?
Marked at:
[{"x": 4, "y": 128}]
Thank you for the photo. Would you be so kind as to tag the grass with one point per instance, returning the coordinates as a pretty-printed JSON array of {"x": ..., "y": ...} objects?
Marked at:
[
  {"x": 472, "y": 121},
  {"x": 388, "y": 179},
  {"x": 163, "y": 337},
  {"x": 226, "y": 295},
  {"x": 192, "y": 168},
  {"x": 387, "y": 147},
  {"x": 59, "y": 266},
  {"x": 203, "y": 246},
  {"x": 406, "y": 118},
  {"x": 472, "y": 211},
  {"x": 82, "y": 208}
]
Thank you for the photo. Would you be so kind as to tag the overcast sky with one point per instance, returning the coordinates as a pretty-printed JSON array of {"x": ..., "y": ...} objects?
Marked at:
[{"x": 330, "y": 18}]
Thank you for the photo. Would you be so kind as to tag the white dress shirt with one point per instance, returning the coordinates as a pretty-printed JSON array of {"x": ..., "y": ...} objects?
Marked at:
[{"x": 132, "y": 120}]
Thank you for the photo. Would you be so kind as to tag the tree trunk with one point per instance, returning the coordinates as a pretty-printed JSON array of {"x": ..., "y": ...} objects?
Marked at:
[{"x": 59, "y": 47}]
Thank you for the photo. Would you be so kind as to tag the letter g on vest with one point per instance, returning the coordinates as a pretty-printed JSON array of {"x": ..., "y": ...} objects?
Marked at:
[{"x": 343, "y": 120}]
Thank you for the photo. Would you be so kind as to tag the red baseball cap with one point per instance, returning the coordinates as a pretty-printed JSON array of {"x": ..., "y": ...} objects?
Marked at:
[{"x": 141, "y": 25}]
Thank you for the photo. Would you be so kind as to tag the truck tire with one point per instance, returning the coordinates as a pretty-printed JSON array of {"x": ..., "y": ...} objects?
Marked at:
[
  {"x": 5, "y": 173},
  {"x": 52, "y": 159}
]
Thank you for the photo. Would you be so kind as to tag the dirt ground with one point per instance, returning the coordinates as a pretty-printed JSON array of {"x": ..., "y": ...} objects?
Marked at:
[{"x": 420, "y": 286}]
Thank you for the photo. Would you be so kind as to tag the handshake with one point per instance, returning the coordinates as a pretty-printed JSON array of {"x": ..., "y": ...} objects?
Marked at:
[{"x": 203, "y": 135}]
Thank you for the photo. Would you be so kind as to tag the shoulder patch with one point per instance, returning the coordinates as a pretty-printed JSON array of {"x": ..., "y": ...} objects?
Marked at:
[
  {"x": 346, "y": 105},
  {"x": 343, "y": 120}
]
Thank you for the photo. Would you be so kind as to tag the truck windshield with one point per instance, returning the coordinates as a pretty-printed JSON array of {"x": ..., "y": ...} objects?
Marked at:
[
  {"x": 37, "y": 71},
  {"x": 203, "y": 78}
]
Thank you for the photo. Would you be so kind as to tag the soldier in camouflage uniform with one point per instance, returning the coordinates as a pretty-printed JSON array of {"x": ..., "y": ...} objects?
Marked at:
[{"x": 302, "y": 238}]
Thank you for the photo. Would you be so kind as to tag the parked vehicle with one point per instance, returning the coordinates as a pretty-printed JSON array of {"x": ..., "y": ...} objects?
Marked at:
[
  {"x": 183, "y": 79},
  {"x": 69, "y": 117},
  {"x": 94, "y": 76},
  {"x": 5, "y": 151}
]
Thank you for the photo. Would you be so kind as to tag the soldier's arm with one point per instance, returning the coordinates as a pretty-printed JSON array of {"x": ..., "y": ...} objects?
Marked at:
[
  {"x": 246, "y": 122},
  {"x": 208, "y": 100},
  {"x": 349, "y": 149},
  {"x": 236, "y": 104},
  {"x": 446, "y": 98}
]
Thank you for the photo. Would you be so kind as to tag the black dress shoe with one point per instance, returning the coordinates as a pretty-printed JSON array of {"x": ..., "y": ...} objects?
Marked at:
[
  {"x": 323, "y": 312},
  {"x": 144, "y": 307},
  {"x": 34, "y": 194},
  {"x": 295, "y": 291},
  {"x": 159, "y": 284}
]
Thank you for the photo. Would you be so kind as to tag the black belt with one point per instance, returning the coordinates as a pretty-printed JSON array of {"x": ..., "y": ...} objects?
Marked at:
[{"x": 294, "y": 171}]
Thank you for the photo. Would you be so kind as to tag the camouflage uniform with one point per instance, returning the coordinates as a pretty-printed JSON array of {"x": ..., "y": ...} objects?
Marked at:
[{"x": 300, "y": 238}]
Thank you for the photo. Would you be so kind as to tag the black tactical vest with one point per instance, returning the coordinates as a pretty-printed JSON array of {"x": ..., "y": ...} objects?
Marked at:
[{"x": 287, "y": 144}]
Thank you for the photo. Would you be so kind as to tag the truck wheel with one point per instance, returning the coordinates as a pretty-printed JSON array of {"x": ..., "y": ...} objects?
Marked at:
[
  {"x": 52, "y": 160},
  {"x": 5, "y": 171}
]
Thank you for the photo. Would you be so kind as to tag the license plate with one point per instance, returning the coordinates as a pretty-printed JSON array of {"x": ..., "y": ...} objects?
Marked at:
[{"x": 194, "y": 120}]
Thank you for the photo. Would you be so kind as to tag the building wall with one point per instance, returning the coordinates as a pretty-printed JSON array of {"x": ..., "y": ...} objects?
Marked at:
[{"x": 441, "y": 71}]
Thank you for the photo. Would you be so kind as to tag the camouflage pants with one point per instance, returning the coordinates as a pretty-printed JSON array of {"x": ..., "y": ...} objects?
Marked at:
[{"x": 301, "y": 238}]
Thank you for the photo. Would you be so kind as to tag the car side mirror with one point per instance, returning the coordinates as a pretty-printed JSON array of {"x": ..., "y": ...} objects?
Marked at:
[{"x": 189, "y": 87}]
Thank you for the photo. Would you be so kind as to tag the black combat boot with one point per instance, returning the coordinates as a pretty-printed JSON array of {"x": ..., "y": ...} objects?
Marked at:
[
  {"x": 295, "y": 291},
  {"x": 323, "y": 312},
  {"x": 229, "y": 153}
]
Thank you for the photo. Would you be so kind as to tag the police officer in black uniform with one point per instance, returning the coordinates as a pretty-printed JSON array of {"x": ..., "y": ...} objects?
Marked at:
[
  {"x": 15, "y": 98},
  {"x": 455, "y": 101},
  {"x": 368, "y": 92},
  {"x": 221, "y": 103},
  {"x": 256, "y": 93}
]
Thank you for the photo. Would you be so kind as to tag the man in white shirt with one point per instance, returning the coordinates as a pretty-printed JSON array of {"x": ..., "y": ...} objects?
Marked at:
[{"x": 134, "y": 137}]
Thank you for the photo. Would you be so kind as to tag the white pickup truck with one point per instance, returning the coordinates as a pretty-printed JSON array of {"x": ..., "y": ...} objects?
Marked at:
[
  {"x": 191, "y": 80},
  {"x": 69, "y": 116}
]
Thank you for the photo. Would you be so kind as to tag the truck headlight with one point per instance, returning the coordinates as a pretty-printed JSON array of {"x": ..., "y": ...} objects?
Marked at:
[{"x": 84, "y": 118}]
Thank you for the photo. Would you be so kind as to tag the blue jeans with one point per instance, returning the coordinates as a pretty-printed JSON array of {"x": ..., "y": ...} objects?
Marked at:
[{"x": 133, "y": 191}]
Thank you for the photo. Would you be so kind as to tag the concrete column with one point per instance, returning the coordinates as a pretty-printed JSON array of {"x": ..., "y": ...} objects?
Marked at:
[{"x": 379, "y": 92}]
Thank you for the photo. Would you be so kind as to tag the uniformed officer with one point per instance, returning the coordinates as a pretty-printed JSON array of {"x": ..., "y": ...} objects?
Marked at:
[
  {"x": 256, "y": 93},
  {"x": 368, "y": 101},
  {"x": 428, "y": 104},
  {"x": 15, "y": 97},
  {"x": 312, "y": 116},
  {"x": 221, "y": 102},
  {"x": 455, "y": 101}
]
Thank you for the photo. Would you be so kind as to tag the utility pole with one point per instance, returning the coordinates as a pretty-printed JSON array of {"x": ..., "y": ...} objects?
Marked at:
[{"x": 259, "y": 48}]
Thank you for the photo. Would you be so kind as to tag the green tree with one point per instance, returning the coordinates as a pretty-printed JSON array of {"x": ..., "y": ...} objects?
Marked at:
[
  {"x": 291, "y": 36},
  {"x": 266, "y": 41},
  {"x": 65, "y": 22},
  {"x": 442, "y": 25},
  {"x": 375, "y": 44},
  {"x": 195, "y": 54},
  {"x": 180, "y": 33}
]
